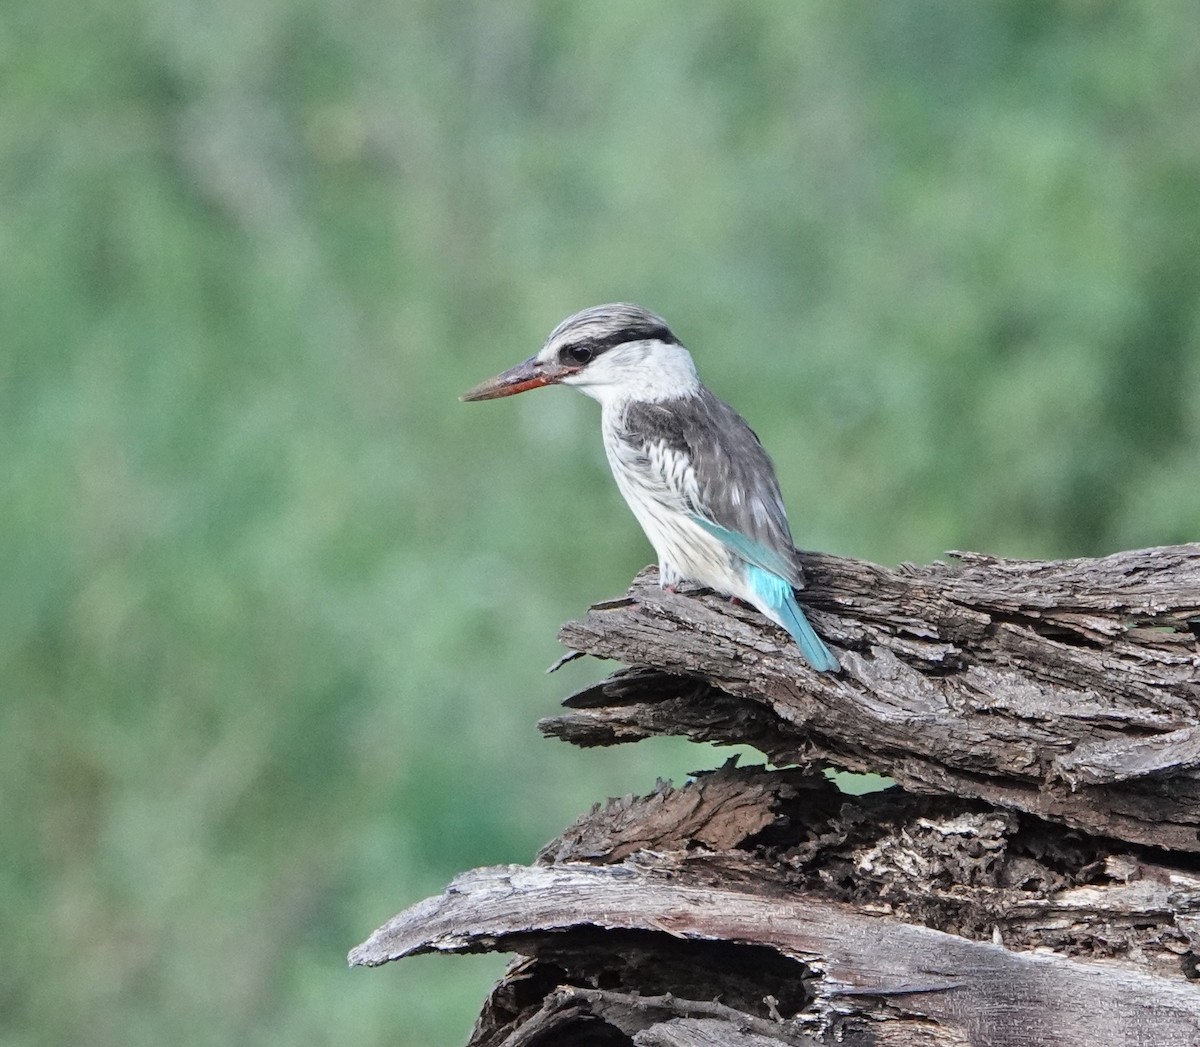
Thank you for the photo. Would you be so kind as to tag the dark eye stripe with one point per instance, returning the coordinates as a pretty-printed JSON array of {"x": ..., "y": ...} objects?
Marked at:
[
  {"x": 582, "y": 352},
  {"x": 633, "y": 333}
]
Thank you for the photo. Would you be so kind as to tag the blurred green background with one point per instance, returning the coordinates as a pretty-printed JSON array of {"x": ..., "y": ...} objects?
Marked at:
[{"x": 275, "y": 606}]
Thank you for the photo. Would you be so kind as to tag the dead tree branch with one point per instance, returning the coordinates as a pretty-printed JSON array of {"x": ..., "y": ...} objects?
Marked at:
[
  {"x": 1036, "y": 883},
  {"x": 1070, "y": 690},
  {"x": 906, "y": 917}
]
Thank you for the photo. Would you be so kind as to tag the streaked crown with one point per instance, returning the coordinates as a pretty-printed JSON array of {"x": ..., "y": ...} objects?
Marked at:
[{"x": 594, "y": 331}]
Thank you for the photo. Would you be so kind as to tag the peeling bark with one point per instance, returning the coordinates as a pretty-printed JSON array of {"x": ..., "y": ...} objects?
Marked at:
[
  {"x": 1034, "y": 881},
  {"x": 819, "y": 918},
  {"x": 878, "y": 979},
  {"x": 1068, "y": 690}
]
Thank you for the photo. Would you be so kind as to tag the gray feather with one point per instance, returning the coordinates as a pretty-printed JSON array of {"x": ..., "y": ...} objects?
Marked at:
[{"x": 701, "y": 455}]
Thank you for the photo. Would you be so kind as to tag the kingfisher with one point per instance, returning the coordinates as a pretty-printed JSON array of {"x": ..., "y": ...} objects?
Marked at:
[{"x": 692, "y": 471}]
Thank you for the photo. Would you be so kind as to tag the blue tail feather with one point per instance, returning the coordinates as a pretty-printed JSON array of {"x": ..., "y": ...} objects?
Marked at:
[
  {"x": 747, "y": 548},
  {"x": 778, "y": 597}
]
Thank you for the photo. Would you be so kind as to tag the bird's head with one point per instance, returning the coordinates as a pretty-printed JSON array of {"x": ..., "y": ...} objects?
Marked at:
[{"x": 611, "y": 352}]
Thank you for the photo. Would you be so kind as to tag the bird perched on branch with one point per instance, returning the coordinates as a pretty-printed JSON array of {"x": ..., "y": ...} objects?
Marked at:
[{"x": 691, "y": 469}]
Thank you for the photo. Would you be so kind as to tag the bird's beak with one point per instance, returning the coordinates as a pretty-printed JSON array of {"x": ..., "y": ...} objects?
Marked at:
[{"x": 530, "y": 374}]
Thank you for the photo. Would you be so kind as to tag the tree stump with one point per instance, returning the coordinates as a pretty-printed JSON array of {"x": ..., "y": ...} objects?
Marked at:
[{"x": 1033, "y": 877}]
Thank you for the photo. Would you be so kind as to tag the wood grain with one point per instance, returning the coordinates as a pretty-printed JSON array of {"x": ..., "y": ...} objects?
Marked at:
[{"x": 1070, "y": 689}]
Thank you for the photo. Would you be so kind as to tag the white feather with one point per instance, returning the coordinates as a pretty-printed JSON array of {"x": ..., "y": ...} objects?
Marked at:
[
  {"x": 659, "y": 496},
  {"x": 647, "y": 370}
]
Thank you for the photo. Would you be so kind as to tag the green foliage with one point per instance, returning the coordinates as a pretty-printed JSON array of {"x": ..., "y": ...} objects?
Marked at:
[{"x": 275, "y": 604}]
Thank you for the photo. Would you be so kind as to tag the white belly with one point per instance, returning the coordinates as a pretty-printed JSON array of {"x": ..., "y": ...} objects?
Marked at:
[{"x": 686, "y": 552}]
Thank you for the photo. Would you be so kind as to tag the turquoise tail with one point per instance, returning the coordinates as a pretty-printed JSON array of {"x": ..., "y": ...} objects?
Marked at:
[{"x": 779, "y": 599}]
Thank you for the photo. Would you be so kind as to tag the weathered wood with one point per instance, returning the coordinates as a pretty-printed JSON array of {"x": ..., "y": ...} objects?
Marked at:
[
  {"x": 1070, "y": 689},
  {"x": 877, "y": 979},
  {"x": 652, "y": 1021},
  {"x": 953, "y": 865},
  {"x": 854, "y": 896},
  {"x": 1036, "y": 881}
]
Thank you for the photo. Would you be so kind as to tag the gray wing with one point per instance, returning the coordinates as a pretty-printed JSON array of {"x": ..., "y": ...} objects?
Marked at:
[{"x": 704, "y": 452}]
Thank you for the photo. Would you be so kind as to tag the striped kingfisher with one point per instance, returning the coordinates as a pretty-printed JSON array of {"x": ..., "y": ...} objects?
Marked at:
[{"x": 688, "y": 465}]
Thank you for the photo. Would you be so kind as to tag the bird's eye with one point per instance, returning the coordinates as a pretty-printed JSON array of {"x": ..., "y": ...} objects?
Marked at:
[{"x": 581, "y": 354}]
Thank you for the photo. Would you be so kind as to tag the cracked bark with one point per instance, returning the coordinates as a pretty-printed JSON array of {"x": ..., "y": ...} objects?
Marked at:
[
  {"x": 1042, "y": 721},
  {"x": 1066, "y": 689}
]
